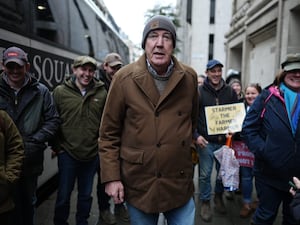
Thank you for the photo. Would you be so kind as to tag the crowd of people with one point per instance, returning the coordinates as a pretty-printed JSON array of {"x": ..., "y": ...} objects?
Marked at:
[{"x": 135, "y": 126}]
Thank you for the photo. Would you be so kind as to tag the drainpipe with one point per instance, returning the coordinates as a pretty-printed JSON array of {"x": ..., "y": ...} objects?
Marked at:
[{"x": 279, "y": 33}]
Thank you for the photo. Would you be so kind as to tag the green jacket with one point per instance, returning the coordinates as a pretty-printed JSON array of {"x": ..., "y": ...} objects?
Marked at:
[
  {"x": 11, "y": 157},
  {"x": 81, "y": 116}
]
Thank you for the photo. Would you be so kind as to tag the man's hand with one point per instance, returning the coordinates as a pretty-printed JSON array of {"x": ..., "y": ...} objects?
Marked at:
[
  {"x": 115, "y": 189},
  {"x": 297, "y": 183},
  {"x": 201, "y": 141}
]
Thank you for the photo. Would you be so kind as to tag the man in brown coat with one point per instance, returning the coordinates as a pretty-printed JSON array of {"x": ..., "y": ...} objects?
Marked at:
[{"x": 145, "y": 138}]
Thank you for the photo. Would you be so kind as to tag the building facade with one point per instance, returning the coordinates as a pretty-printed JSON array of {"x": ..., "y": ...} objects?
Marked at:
[
  {"x": 202, "y": 32},
  {"x": 261, "y": 33}
]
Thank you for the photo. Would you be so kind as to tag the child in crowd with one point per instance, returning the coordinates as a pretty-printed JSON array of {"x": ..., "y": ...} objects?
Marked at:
[
  {"x": 245, "y": 157},
  {"x": 236, "y": 85}
]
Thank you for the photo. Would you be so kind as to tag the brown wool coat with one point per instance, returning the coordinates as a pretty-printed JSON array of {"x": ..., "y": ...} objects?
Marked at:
[{"x": 146, "y": 139}]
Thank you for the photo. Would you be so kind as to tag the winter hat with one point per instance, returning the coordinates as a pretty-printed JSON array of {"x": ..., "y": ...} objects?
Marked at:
[
  {"x": 233, "y": 81},
  {"x": 159, "y": 22}
]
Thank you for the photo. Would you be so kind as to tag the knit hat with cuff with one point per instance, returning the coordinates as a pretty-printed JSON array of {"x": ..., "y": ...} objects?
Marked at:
[{"x": 159, "y": 22}]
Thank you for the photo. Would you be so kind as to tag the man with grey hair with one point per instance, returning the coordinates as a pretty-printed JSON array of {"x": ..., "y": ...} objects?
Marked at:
[{"x": 146, "y": 132}]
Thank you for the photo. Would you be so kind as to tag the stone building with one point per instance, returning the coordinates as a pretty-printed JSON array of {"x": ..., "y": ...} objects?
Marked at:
[
  {"x": 261, "y": 33},
  {"x": 202, "y": 32}
]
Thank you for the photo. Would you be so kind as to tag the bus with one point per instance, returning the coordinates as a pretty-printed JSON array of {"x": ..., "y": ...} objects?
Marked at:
[{"x": 53, "y": 33}]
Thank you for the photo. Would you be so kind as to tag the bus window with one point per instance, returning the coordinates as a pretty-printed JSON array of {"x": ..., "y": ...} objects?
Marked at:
[
  {"x": 13, "y": 16},
  {"x": 46, "y": 25}
]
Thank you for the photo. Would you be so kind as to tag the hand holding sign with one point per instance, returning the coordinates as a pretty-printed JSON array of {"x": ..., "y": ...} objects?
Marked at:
[{"x": 223, "y": 119}]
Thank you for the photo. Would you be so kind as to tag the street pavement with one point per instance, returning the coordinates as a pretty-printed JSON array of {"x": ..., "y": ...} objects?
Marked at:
[{"x": 44, "y": 213}]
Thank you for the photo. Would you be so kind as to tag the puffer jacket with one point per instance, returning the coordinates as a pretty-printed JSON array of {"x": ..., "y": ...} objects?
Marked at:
[
  {"x": 11, "y": 158},
  {"x": 268, "y": 134},
  {"x": 33, "y": 111},
  {"x": 81, "y": 116},
  {"x": 146, "y": 138}
]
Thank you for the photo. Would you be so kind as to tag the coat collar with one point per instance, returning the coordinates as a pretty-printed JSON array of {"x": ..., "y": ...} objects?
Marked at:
[{"x": 145, "y": 81}]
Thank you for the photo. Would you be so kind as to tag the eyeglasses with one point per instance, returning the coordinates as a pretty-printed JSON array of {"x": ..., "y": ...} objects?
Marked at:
[{"x": 117, "y": 67}]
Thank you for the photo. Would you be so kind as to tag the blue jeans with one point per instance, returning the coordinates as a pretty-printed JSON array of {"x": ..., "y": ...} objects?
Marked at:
[
  {"x": 206, "y": 161},
  {"x": 270, "y": 199},
  {"x": 69, "y": 170},
  {"x": 25, "y": 200},
  {"x": 184, "y": 215},
  {"x": 246, "y": 183}
]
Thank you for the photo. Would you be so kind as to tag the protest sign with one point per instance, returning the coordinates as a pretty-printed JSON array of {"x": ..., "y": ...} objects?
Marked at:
[{"x": 223, "y": 119}]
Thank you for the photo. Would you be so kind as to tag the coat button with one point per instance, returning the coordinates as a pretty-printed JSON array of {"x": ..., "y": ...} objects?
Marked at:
[
  {"x": 179, "y": 113},
  {"x": 158, "y": 145},
  {"x": 156, "y": 114},
  {"x": 181, "y": 172}
]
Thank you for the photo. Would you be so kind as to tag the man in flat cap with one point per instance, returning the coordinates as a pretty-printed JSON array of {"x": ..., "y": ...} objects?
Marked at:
[
  {"x": 145, "y": 138},
  {"x": 80, "y": 101},
  {"x": 30, "y": 104}
]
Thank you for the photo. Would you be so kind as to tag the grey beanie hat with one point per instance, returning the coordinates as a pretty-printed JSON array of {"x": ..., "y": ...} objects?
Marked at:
[
  {"x": 159, "y": 22},
  {"x": 233, "y": 81}
]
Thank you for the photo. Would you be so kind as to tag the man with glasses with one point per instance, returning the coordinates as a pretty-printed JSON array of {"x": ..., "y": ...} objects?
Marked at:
[{"x": 112, "y": 63}]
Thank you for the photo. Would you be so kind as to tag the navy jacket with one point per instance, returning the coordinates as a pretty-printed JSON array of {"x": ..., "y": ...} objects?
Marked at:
[
  {"x": 33, "y": 111},
  {"x": 268, "y": 134}
]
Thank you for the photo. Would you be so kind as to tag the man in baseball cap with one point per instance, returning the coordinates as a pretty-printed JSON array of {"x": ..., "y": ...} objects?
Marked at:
[
  {"x": 113, "y": 59},
  {"x": 112, "y": 63},
  {"x": 214, "y": 91},
  {"x": 29, "y": 103}
]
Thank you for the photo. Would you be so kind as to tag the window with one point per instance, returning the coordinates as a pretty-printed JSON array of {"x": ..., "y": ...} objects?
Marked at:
[
  {"x": 189, "y": 11},
  {"x": 211, "y": 47},
  {"x": 212, "y": 11}
]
